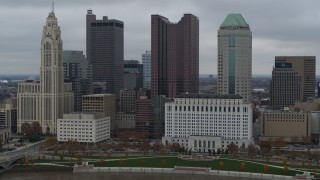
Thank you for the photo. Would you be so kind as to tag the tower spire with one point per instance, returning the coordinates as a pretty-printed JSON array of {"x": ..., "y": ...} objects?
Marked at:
[{"x": 52, "y": 6}]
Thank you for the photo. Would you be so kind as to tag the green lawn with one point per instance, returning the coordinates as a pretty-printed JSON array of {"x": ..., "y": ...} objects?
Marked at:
[{"x": 170, "y": 162}]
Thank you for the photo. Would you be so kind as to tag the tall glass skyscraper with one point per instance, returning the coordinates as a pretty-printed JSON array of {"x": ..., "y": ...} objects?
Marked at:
[
  {"x": 105, "y": 51},
  {"x": 146, "y": 61},
  {"x": 78, "y": 71},
  {"x": 235, "y": 57}
]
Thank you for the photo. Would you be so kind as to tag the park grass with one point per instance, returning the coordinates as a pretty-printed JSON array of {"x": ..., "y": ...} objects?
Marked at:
[
  {"x": 170, "y": 162},
  {"x": 298, "y": 166}
]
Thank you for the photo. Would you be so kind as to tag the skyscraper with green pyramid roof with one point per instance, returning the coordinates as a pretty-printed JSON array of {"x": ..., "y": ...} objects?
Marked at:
[{"x": 235, "y": 57}]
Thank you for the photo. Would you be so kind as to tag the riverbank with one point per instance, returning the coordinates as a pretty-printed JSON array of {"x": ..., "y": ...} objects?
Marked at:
[
  {"x": 38, "y": 168},
  {"x": 98, "y": 176}
]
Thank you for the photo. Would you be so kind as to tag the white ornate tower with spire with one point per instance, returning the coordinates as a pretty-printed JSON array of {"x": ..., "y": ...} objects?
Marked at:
[{"x": 52, "y": 97}]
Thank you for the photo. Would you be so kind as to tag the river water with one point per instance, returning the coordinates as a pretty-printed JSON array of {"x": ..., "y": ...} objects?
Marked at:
[{"x": 100, "y": 176}]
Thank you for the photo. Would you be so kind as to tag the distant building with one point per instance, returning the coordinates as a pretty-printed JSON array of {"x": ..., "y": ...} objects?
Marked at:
[
  {"x": 216, "y": 116},
  {"x": 84, "y": 127},
  {"x": 132, "y": 74},
  {"x": 158, "y": 105},
  {"x": 78, "y": 71},
  {"x": 293, "y": 79},
  {"x": 126, "y": 120},
  {"x": 312, "y": 105},
  {"x": 318, "y": 89},
  {"x": 101, "y": 103},
  {"x": 128, "y": 98},
  {"x": 105, "y": 51},
  {"x": 46, "y": 100},
  {"x": 146, "y": 61},
  {"x": 99, "y": 87},
  {"x": 174, "y": 55},
  {"x": 285, "y": 124},
  {"x": 144, "y": 116},
  {"x": 8, "y": 116}
]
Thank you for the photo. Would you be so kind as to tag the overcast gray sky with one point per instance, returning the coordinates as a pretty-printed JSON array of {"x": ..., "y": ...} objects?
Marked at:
[{"x": 286, "y": 27}]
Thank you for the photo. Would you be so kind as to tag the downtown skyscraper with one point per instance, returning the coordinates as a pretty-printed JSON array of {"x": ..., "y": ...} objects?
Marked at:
[
  {"x": 235, "y": 57},
  {"x": 293, "y": 79},
  {"x": 46, "y": 100},
  {"x": 174, "y": 55},
  {"x": 105, "y": 51}
]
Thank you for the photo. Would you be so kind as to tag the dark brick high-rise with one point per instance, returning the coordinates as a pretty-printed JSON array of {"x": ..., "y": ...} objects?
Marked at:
[
  {"x": 105, "y": 51},
  {"x": 174, "y": 55}
]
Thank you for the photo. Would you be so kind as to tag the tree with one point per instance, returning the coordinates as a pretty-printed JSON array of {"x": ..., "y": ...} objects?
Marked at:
[
  {"x": 146, "y": 147},
  {"x": 121, "y": 162},
  {"x": 26, "y": 129},
  {"x": 213, "y": 152},
  {"x": 226, "y": 151},
  {"x": 219, "y": 151},
  {"x": 251, "y": 150},
  {"x": 175, "y": 147},
  {"x": 221, "y": 165},
  {"x": 37, "y": 129},
  {"x": 278, "y": 143},
  {"x": 109, "y": 154},
  {"x": 49, "y": 142},
  {"x": 285, "y": 169},
  {"x": 265, "y": 146},
  {"x": 266, "y": 168},
  {"x": 72, "y": 146},
  {"x": 243, "y": 166},
  {"x": 101, "y": 162},
  {"x": 233, "y": 149},
  {"x": 209, "y": 152},
  {"x": 32, "y": 132},
  {"x": 61, "y": 157}
]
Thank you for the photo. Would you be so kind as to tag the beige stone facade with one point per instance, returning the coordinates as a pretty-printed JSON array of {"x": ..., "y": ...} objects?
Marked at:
[
  {"x": 46, "y": 100},
  {"x": 285, "y": 124},
  {"x": 104, "y": 103}
]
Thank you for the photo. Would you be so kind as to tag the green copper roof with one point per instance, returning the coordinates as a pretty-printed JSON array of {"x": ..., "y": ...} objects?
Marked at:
[{"x": 234, "y": 20}]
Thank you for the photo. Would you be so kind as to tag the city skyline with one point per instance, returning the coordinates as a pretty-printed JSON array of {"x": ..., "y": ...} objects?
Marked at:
[{"x": 284, "y": 32}]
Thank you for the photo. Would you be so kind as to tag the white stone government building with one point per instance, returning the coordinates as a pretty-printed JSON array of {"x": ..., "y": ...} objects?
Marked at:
[
  {"x": 46, "y": 100},
  {"x": 201, "y": 122}
]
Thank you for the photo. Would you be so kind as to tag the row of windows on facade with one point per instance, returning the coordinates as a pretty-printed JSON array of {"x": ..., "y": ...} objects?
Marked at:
[
  {"x": 223, "y": 134},
  {"x": 291, "y": 116},
  {"x": 205, "y": 115},
  {"x": 244, "y": 130},
  {"x": 200, "y": 119},
  {"x": 75, "y": 135},
  {"x": 195, "y": 128},
  {"x": 226, "y": 136},
  {"x": 208, "y": 102},
  {"x": 89, "y": 140},
  {"x": 207, "y": 109},
  {"x": 285, "y": 120}
]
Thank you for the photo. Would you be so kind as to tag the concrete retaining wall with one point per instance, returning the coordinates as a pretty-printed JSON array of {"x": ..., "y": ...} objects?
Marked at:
[{"x": 173, "y": 171}]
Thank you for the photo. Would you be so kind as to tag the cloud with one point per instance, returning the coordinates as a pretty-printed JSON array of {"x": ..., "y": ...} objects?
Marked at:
[{"x": 278, "y": 28}]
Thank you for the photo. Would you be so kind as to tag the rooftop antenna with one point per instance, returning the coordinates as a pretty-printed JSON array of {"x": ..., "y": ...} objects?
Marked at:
[{"x": 52, "y": 7}]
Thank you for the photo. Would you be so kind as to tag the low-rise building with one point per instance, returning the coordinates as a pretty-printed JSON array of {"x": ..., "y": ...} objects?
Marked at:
[
  {"x": 285, "y": 124},
  {"x": 84, "y": 127}
]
